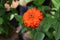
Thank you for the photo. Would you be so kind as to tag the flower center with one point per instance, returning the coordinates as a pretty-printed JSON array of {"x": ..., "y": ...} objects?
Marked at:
[{"x": 31, "y": 16}]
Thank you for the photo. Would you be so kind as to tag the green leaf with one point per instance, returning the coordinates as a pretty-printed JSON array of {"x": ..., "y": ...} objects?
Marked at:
[
  {"x": 57, "y": 32},
  {"x": 46, "y": 24},
  {"x": 1, "y": 20},
  {"x": 44, "y": 8},
  {"x": 23, "y": 29},
  {"x": 13, "y": 11},
  {"x": 6, "y": 28},
  {"x": 49, "y": 35},
  {"x": 56, "y": 4},
  {"x": 10, "y": 2},
  {"x": 57, "y": 25},
  {"x": 2, "y": 2},
  {"x": 12, "y": 16},
  {"x": 1, "y": 6},
  {"x": 27, "y": 1},
  {"x": 2, "y": 11},
  {"x": 39, "y": 36},
  {"x": 19, "y": 19},
  {"x": 1, "y": 30},
  {"x": 38, "y": 2}
]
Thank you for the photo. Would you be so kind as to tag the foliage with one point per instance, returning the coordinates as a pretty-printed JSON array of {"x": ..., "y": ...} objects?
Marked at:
[
  {"x": 56, "y": 4},
  {"x": 49, "y": 28}
]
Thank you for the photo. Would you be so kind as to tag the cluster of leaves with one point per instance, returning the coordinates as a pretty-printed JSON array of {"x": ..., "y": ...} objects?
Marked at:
[
  {"x": 5, "y": 18},
  {"x": 49, "y": 29}
]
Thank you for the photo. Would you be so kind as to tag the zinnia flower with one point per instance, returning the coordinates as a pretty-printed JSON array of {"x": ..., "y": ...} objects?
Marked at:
[{"x": 32, "y": 18}]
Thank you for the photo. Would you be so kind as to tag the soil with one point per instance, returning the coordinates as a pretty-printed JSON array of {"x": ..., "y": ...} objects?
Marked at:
[{"x": 12, "y": 36}]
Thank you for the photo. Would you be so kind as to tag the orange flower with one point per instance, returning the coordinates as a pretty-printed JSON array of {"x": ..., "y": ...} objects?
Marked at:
[{"x": 32, "y": 18}]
